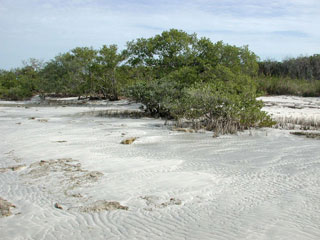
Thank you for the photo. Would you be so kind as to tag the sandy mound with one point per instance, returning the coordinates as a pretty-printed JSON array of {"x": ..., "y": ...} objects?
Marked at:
[
  {"x": 155, "y": 202},
  {"x": 102, "y": 205},
  {"x": 70, "y": 173}
]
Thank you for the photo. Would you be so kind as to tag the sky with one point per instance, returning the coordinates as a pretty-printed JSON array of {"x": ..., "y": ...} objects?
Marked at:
[{"x": 273, "y": 29}]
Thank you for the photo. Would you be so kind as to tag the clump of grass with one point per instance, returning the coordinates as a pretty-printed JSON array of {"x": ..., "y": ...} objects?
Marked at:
[{"x": 314, "y": 135}]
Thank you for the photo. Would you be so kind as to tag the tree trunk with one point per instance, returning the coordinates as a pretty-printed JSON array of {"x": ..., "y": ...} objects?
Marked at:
[{"x": 114, "y": 85}]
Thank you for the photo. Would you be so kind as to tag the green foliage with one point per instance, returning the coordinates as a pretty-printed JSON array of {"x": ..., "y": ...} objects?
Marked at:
[
  {"x": 296, "y": 76},
  {"x": 224, "y": 107},
  {"x": 164, "y": 53},
  {"x": 239, "y": 60},
  {"x": 54, "y": 76},
  {"x": 198, "y": 80},
  {"x": 107, "y": 71},
  {"x": 155, "y": 95},
  {"x": 221, "y": 109},
  {"x": 288, "y": 86},
  {"x": 18, "y": 84},
  {"x": 184, "y": 76},
  {"x": 175, "y": 49},
  {"x": 85, "y": 71},
  {"x": 15, "y": 93},
  {"x": 307, "y": 68},
  {"x": 82, "y": 62}
]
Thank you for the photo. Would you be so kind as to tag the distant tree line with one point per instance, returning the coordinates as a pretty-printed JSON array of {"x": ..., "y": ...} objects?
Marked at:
[
  {"x": 294, "y": 76},
  {"x": 80, "y": 72},
  {"x": 307, "y": 68}
]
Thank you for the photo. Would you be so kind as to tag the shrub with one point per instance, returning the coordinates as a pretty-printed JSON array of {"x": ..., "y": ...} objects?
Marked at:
[
  {"x": 220, "y": 108},
  {"x": 155, "y": 95},
  {"x": 15, "y": 93}
]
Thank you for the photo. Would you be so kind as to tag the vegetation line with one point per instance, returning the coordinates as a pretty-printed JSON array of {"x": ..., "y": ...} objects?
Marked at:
[{"x": 175, "y": 75}]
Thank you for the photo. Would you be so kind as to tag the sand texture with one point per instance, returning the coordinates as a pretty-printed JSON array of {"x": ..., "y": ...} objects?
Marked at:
[
  {"x": 294, "y": 112},
  {"x": 69, "y": 177}
]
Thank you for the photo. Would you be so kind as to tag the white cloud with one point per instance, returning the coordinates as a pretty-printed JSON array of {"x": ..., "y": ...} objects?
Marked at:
[{"x": 42, "y": 29}]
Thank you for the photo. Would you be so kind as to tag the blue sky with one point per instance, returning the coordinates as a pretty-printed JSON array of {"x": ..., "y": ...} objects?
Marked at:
[{"x": 41, "y": 29}]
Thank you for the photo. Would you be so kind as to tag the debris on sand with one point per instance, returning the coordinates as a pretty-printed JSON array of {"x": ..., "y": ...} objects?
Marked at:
[
  {"x": 188, "y": 130},
  {"x": 5, "y": 208},
  {"x": 12, "y": 168},
  {"x": 75, "y": 195},
  {"x": 172, "y": 201},
  {"x": 57, "y": 205},
  {"x": 155, "y": 202},
  {"x": 103, "y": 205},
  {"x": 128, "y": 140},
  {"x": 43, "y": 120},
  {"x": 315, "y": 135}
]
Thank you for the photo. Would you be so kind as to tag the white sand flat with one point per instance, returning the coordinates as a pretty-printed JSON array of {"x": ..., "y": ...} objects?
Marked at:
[
  {"x": 293, "y": 110},
  {"x": 76, "y": 181}
]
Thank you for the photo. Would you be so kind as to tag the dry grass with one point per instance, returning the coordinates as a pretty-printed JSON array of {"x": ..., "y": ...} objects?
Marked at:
[
  {"x": 116, "y": 113},
  {"x": 218, "y": 127},
  {"x": 292, "y": 123}
]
